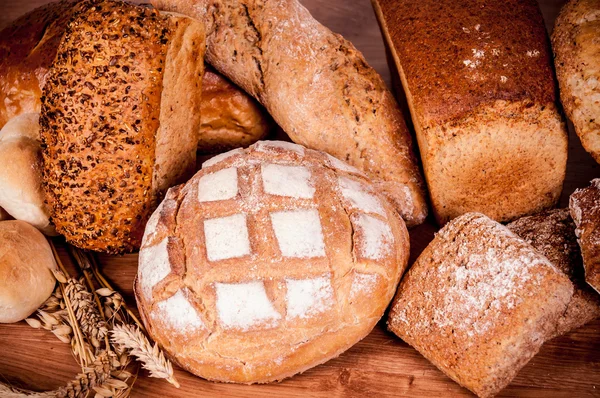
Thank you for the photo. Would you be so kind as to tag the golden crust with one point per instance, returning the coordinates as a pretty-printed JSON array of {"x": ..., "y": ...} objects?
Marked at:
[
  {"x": 230, "y": 117},
  {"x": 479, "y": 302},
  {"x": 455, "y": 53},
  {"x": 260, "y": 352}
]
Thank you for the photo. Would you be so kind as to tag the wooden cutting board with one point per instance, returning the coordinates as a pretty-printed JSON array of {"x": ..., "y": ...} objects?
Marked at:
[{"x": 380, "y": 365}]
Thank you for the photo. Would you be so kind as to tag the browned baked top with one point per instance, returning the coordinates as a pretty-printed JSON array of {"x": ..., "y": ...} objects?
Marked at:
[
  {"x": 460, "y": 54},
  {"x": 100, "y": 111},
  {"x": 27, "y": 48}
]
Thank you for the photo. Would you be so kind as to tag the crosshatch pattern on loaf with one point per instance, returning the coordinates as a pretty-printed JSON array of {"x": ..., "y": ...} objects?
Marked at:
[{"x": 275, "y": 236}]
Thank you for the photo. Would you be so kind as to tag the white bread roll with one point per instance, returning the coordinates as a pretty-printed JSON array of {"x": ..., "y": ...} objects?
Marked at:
[
  {"x": 21, "y": 192},
  {"x": 26, "y": 279}
]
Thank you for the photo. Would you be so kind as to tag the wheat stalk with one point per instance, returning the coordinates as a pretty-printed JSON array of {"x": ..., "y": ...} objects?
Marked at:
[
  {"x": 80, "y": 314},
  {"x": 151, "y": 357}
]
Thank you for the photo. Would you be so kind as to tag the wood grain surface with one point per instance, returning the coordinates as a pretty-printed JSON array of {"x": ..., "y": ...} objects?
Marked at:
[{"x": 380, "y": 365}]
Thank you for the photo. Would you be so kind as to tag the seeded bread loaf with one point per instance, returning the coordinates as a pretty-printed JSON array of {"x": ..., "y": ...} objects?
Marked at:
[
  {"x": 479, "y": 302},
  {"x": 479, "y": 83},
  {"x": 269, "y": 261},
  {"x": 316, "y": 86},
  {"x": 230, "y": 117},
  {"x": 119, "y": 122},
  {"x": 552, "y": 233},
  {"x": 576, "y": 43},
  {"x": 584, "y": 205}
]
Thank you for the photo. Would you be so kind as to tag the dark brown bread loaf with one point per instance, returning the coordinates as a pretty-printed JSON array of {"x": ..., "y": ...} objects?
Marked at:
[
  {"x": 120, "y": 117},
  {"x": 479, "y": 83},
  {"x": 479, "y": 302},
  {"x": 584, "y": 205},
  {"x": 552, "y": 233},
  {"x": 316, "y": 86}
]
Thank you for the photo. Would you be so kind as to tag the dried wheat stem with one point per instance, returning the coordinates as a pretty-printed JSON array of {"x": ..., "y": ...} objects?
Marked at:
[
  {"x": 150, "y": 356},
  {"x": 100, "y": 278}
]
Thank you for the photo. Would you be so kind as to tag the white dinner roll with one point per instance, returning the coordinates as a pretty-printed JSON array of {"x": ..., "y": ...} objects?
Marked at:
[
  {"x": 21, "y": 192},
  {"x": 269, "y": 261},
  {"x": 26, "y": 279}
]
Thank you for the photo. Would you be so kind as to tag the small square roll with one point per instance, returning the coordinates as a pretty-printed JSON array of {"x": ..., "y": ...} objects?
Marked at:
[{"x": 479, "y": 302}]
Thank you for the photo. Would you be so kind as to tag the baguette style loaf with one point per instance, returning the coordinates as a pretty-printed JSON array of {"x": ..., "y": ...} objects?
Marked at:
[
  {"x": 576, "y": 43},
  {"x": 479, "y": 83},
  {"x": 120, "y": 117},
  {"x": 316, "y": 86}
]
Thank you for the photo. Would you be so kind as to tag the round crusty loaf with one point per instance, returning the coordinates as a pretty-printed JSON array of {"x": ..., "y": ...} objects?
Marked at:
[
  {"x": 21, "y": 192},
  {"x": 120, "y": 118},
  {"x": 27, "y": 49},
  {"x": 26, "y": 279},
  {"x": 230, "y": 117},
  {"x": 317, "y": 87},
  {"x": 270, "y": 261},
  {"x": 576, "y": 44}
]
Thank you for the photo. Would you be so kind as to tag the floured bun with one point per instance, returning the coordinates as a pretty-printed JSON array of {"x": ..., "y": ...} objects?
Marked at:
[{"x": 269, "y": 261}]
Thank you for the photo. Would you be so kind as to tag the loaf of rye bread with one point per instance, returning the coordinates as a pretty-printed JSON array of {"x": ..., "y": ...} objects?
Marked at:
[
  {"x": 479, "y": 83},
  {"x": 584, "y": 205},
  {"x": 119, "y": 120},
  {"x": 576, "y": 43},
  {"x": 552, "y": 233},
  {"x": 479, "y": 302},
  {"x": 317, "y": 87}
]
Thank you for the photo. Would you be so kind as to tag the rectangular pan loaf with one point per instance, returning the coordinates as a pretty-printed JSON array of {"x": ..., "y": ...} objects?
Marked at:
[{"x": 480, "y": 87}]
